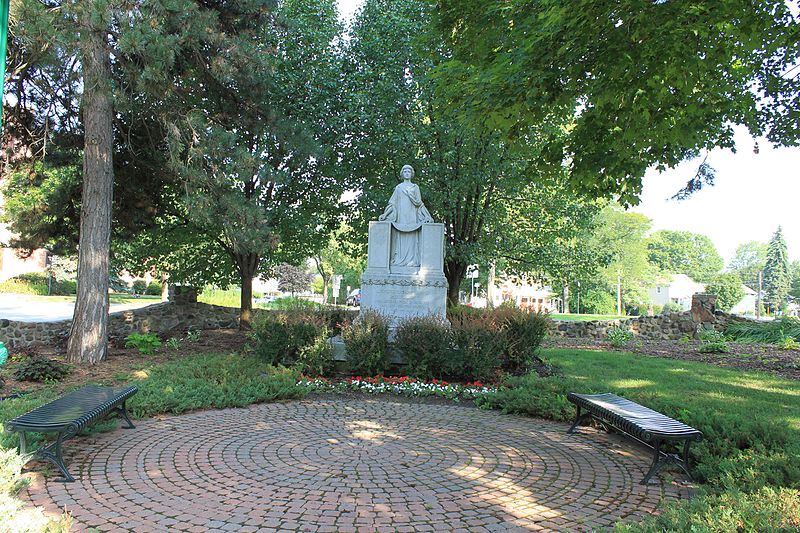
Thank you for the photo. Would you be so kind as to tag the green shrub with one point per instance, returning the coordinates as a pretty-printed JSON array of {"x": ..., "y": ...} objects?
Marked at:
[
  {"x": 153, "y": 289},
  {"x": 671, "y": 307},
  {"x": 532, "y": 395},
  {"x": 294, "y": 337},
  {"x": 712, "y": 341},
  {"x": 773, "y": 332},
  {"x": 367, "y": 344},
  {"x": 426, "y": 343},
  {"x": 20, "y": 286},
  {"x": 146, "y": 343},
  {"x": 597, "y": 302},
  {"x": 139, "y": 286},
  {"x": 524, "y": 333},
  {"x": 619, "y": 336},
  {"x": 41, "y": 369},
  {"x": 766, "y": 509},
  {"x": 480, "y": 342},
  {"x": 789, "y": 343}
]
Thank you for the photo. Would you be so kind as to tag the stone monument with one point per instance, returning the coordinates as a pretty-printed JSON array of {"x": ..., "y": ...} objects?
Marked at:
[{"x": 405, "y": 258}]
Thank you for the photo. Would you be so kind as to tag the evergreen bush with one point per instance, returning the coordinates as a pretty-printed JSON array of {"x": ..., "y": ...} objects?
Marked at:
[{"x": 426, "y": 343}]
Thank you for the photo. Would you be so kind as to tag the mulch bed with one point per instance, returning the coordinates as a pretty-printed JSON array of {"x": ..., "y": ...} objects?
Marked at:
[
  {"x": 121, "y": 361},
  {"x": 758, "y": 357}
]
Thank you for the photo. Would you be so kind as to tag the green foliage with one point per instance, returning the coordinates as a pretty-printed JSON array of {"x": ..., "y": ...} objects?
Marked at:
[
  {"x": 684, "y": 252},
  {"x": 153, "y": 289},
  {"x": 41, "y": 369},
  {"x": 536, "y": 396},
  {"x": 772, "y": 332},
  {"x": 766, "y": 509},
  {"x": 296, "y": 338},
  {"x": 139, "y": 286},
  {"x": 598, "y": 302},
  {"x": 728, "y": 288},
  {"x": 173, "y": 343},
  {"x": 480, "y": 340},
  {"x": 524, "y": 334},
  {"x": 17, "y": 285},
  {"x": 712, "y": 341},
  {"x": 671, "y": 307},
  {"x": 497, "y": 200},
  {"x": 748, "y": 260},
  {"x": 619, "y": 336},
  {"x": 211, "y": 381},
  {"x": 367, "y": 344},
  {"x": 427, "y": 346},
  {"x": 146, "y": 343},
  {"x": 789, "y": 343},
  {"x": 632, "y": 69},
  {"x": 776, "y": 272}
]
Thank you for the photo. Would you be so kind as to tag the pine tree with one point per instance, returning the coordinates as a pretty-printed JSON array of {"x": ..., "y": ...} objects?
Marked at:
[{"x": 776, "y": 273}]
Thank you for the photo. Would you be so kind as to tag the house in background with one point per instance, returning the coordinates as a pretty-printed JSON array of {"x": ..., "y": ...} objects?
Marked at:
[
  {"x": 681, "y": 288},
  {"x": 747, "y": 305},
  {"x": 678, "y": 290}
]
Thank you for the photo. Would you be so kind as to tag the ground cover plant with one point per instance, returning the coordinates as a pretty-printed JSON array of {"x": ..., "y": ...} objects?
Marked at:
[
  {"x": 146, "y": 343},
  {"x": 400, "y": 385},
  {"x": 774, "y": 332}
]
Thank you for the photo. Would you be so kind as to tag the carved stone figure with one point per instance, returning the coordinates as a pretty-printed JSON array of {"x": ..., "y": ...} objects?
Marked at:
[{"x": 407, "y": 213}]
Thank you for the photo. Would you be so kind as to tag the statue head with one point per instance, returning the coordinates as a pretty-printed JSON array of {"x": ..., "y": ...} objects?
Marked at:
[{"x": 407, "y": 172}]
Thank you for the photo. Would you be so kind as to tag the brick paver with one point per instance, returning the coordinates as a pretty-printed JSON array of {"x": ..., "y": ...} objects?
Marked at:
[{"x": 351, "y": 465}]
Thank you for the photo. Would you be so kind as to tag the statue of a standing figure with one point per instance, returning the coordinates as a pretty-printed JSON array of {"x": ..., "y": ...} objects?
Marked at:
[{"x": 407, "y": 213}]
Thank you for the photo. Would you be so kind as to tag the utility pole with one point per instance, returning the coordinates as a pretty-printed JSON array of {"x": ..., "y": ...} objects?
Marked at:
[{"x": 758, "y": 296}]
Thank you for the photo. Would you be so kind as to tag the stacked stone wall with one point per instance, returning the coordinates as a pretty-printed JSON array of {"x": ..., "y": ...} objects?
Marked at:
[
  {"x": 157, "y": 318},
  {"x": 670, "y": 326}
]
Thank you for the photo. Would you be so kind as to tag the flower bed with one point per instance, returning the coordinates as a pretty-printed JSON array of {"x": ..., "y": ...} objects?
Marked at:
[{"x": 401, "y": 385}]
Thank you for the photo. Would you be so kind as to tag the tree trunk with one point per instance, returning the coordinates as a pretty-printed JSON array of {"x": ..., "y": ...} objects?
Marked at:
[
  {"x": 454, "y": 271},
  {"x": 324, "y": 290},
  {"x": 565, "y": 296},
  {"x": 88, "y": 337},
  {"x": 247, "y": 265},
  {"x": 490, "y": 286},
  {"x": 164, "y": 287}
]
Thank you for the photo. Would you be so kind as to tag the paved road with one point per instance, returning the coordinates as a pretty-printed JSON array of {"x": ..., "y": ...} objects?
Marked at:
[
  {"x": 22, "y": 308},
  {"x": 351, "y": 465}
]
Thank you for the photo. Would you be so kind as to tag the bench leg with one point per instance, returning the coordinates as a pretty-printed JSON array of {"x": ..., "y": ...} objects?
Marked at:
[
  {"x": 579, "y": 418},
  {"x": 123, "y": 413},
  {"x": 53, "y": 454},
  {"x": 23, "y": 443},
  {"x": 658, "y": 463}
]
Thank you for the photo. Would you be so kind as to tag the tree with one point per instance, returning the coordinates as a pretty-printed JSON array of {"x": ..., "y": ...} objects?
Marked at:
[
  {"x": 620, "y": 236},
  {"x": 635, "y": 84},
  {"x": 684, "y": 252},
  {"x": 776, "y": 273},
  {"x": 728, "y": 288},
  {"x": 223, "y": 116},
  {"x": 794, "y": 269},
  {"x": 494, "y": 200},
  {"x": 292, "y": 278},
  {"x": 337, "y": 258},
  {"x": 748, "y": 261}
]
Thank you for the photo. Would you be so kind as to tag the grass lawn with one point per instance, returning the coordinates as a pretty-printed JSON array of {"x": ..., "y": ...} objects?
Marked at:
[
  {"x": 585, "y": 318},
  {"x": 694, "y": 386}
]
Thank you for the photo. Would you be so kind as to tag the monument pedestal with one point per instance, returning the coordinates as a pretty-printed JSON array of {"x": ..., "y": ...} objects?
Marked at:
[{"x": 400, "y": 292}]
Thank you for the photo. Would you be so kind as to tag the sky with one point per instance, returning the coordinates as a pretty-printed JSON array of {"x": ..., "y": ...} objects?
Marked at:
[{"x": 753, "y": 193}]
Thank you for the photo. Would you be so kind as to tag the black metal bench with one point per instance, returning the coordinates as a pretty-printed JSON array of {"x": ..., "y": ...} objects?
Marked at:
[
  {"x": 651, "y": 428},
  {"x": 67, "y": 416}
]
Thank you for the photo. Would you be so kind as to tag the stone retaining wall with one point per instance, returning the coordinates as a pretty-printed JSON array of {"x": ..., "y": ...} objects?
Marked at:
[
  {"x": 670, "y": 326},
  {"x": 157, "y": 318}
]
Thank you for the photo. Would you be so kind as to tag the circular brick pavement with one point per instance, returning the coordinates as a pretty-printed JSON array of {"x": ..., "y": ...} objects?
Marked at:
[{"x": 351, "y": 465}]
